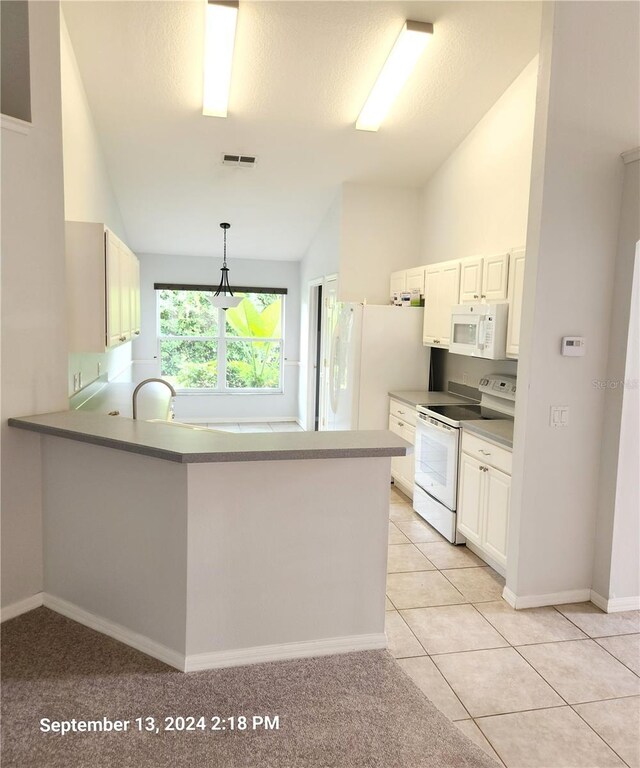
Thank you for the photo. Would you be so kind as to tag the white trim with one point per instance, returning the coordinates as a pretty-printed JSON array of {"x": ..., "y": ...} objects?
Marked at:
[
  {"x": 22, "y": 606},
  {"x": 615, "y": 604},
  {"x": 498, "y": 567},
  {"x": 404, "y": 488},
  {"x": 553, "y": 598},
  {"x": 116, "y": 631},
  {"x": 15, "y": 124},
  {"x": 283, "y": 651},
  {"x": 631, "y": 155}
]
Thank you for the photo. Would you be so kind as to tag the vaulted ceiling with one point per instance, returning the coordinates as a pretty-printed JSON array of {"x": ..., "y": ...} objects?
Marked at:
[{"x": 301, "y": 73}]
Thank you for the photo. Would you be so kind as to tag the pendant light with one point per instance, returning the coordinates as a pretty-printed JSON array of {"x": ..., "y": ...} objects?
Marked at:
[{"x": 224, "y": 298}]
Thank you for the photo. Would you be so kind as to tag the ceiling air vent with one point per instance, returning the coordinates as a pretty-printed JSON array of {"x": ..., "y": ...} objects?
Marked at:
[{"x": 240, "y": 161}]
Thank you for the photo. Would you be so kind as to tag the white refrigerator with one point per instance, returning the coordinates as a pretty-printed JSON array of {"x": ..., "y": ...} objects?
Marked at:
[{"x": 374, "y": 349}]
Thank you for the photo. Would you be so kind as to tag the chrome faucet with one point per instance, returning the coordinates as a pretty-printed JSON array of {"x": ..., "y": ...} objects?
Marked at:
[{"x": 139, "y": 387}]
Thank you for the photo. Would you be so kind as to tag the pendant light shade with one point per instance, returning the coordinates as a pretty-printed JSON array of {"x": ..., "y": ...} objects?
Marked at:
[{"x": 223, "y": 297}]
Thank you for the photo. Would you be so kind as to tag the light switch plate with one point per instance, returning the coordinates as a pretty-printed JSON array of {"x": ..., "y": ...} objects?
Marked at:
[{"x": 559, "y": 416}]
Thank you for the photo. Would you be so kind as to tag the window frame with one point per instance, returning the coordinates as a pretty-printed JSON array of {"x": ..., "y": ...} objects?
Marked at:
[{"x": 221, "y": 340}]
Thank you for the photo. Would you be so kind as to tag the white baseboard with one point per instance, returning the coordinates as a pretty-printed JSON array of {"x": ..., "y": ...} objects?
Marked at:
[
  {"x": 497, "y": 567},
  {"x": 116, "y": 631},
  {"x": 22, "y": 606},
  {"x": 284, "y": 651},
  {"x": 553, "y": 598},
  {"x": 404, "y": 488},
  {"x": 615, "y": 604},
  {"x": 199, "y": 661}
]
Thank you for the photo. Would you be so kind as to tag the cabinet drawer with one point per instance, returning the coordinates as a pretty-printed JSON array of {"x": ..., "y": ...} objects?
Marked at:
[
  {"x": 404, "y": 412},
  {"x": 402, "y": 429},
  {"x": 486, "y": 452}
]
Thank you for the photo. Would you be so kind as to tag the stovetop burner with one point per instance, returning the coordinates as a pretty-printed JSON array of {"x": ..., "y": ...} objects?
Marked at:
[{"x": 457, "y": 413}]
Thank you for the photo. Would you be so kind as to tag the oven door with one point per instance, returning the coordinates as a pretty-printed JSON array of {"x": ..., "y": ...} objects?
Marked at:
[{"x": 436, "y": 455}]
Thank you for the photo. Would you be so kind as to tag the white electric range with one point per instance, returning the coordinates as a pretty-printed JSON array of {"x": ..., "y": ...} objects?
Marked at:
[{"x": 437, "y": 450}]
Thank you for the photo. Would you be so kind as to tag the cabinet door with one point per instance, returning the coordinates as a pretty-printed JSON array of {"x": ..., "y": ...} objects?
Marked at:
[
  {"x": 449, "y": 294},
  {"x": 431, "y": 324},
  {"x": 494, "y": 277},
  {"x": 415, "y": 280},
  {"x": 126, "y": 280},
  {"x": 397, "y": 283},
  {"x": 134, "y": 295},
  {"x": 515, "y": 292},
  {"x": 114, "y": 296},
  {"x": 470, "y": 280},
  {"x": 496, "y": 515},
  {"x": 403, "y": 467},
  {"x": 471, "y": 498}
]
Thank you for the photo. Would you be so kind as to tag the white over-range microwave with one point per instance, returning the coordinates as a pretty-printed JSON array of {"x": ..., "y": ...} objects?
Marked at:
[{"x": 479, "y": 330}]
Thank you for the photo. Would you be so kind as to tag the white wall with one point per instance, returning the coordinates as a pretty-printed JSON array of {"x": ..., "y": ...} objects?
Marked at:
[
  {"x": 617, "y": 553},
  {"x": 379, "y": 235},
  {"x": 368, "y": 232},
  {"x": 34, "y": 347},
  {"x": 476, "y": 203},
  {"x": 587, "y": 115},
  {"x": 88, "y": 194},
  {"x": 198, "y": 270}
]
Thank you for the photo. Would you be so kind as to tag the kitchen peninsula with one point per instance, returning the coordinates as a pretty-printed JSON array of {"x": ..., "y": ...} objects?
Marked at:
[{"x": 208, "y": 549}]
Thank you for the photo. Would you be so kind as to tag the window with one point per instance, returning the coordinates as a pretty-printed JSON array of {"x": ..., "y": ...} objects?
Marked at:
[{"x": 205, "y": 348}]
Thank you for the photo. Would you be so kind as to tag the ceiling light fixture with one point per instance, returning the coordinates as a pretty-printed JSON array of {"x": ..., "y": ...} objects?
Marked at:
[
  {"x": 220, "y": 33},
  {"x": 223, "y": 297},
  {"x": 411, "y": 42}
]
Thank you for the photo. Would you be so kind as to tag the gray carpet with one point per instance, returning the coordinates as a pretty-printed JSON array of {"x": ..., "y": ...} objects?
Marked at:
[{"x": 355, "y": 710}]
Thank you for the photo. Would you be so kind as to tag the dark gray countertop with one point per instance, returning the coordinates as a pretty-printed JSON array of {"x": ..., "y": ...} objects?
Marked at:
[
  {"x": 498, "y": 430},
  {"x": 188, "y": 445},
  {"x": 415, "y": 397}
]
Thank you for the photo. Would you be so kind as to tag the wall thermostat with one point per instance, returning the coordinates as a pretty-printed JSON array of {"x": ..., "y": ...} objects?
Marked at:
[{"x": 573, "y": 346}]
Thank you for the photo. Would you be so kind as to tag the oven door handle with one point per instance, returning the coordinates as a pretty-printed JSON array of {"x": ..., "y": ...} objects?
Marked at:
[{"x": 428, "y": 421}]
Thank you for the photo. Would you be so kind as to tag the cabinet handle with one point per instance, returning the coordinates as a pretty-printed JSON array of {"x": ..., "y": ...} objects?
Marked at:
[
  {"x": 484, "y": 453},
  {"x": 483, "y": 296},
  {"x": 475, "y": 296},
  {"x": 123, "y": 338},
  {"x": 401, "y": 423},
  {"x": 484, "y": 469},
  {"x": 137, "y": 333}
]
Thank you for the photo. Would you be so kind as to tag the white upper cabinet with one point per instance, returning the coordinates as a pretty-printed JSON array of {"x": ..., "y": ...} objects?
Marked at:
[
  {"x": 495, "y": 273},
  {"x": 514, "y": 293},
  {"x": 103, "y": 288},
  {"x": 415, "y": 280},
  {"x": 410, "y": 280},
  {"x": 441, "y": 294},
  {"x": 470, "y": 279},
  {"x": 484, "y": 278}
]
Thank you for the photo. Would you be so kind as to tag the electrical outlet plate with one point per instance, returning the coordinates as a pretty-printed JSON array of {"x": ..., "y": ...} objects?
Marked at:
[{"x": 559, "y": 416}]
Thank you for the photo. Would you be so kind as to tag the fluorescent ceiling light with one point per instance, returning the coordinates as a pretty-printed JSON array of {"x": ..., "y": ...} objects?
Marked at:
[
  {"x": 220, "y": 32},
  {"x": 408, "y": 48}
]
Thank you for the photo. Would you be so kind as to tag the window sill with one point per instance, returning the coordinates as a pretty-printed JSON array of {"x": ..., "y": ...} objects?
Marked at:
[
  {"x": 14, "y": 124},
  {"x": 216, "y": 393}
]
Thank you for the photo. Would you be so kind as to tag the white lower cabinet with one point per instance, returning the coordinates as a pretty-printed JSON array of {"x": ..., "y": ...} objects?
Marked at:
[
  {"x": 402, "y": 419},
  {"x": 484, "y": 495}
]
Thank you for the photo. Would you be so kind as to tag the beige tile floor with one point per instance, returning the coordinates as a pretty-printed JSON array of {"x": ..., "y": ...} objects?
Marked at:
[
  {"x": 539, "y": 688},
  {"x": 262, "y": 426}
]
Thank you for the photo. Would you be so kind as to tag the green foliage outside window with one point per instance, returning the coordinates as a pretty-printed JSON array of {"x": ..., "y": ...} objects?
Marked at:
[{"x": 194, "y": 363}]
